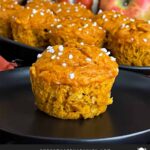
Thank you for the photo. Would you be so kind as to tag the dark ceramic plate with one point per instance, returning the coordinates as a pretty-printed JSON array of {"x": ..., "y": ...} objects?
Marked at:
[
  {"x": 126, "y": 121},
  {"x": 14, "y": 50}
]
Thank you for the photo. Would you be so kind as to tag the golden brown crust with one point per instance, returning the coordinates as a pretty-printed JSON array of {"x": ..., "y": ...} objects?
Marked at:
[
  {"x": 128, "y": 39},
  {"x": 75, "y": 65},
  {"x": 31, "y": 26},
  {"x": 77, "y": 30},
  {"x": 7, "y": 10}
]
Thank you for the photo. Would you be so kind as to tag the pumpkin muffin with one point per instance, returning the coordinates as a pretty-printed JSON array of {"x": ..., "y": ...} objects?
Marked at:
[
  {"x": 130, "y": 44},
  {"x": 77, "y": 30},
  {"x": 128, "y": 39},
  {"x": 31, "y": 26},
  {"x": 7, "y": 10},
  {"x": 73, "y": 82}
]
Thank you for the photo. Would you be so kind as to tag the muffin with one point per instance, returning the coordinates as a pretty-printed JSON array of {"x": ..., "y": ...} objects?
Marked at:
[
  {"x": 74, "y": 81},
  {"x": 76, "y": 30},
  {"x": 128, "y": 39},
  {"x": 7, "y": 10},
  {"x": 130, "y": 44},
  {"x": 31, "y": 25}
]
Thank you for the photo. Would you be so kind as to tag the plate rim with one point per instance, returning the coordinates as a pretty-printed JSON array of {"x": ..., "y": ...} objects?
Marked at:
[
  {"x": 21, "y": 44},
  {"x": 80, "y": 140}
]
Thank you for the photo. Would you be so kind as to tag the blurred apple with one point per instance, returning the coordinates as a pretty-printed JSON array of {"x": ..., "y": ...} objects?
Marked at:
[{"x": 133, "y": 8}]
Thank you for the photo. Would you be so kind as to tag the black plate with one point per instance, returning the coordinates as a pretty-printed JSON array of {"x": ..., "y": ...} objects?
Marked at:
[
  {"x": 14, "y": 50},
  {"x": 126, "y": 121},
  {"x": 142, "y": 70}
]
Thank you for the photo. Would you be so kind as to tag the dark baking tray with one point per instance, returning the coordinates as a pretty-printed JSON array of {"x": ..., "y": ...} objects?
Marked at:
[{"x": 125, "y": 121}]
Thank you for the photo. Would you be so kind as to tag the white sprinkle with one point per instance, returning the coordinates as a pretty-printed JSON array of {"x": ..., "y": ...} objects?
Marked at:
[
  {"x": 104, "y": 50},
  {"x": 64, "y": 64},
  {"x": 76, "y": 10},
  {"x": 71, "y": 75},
  {"x": 127, "y": 26},
  {"x": 125, "y": 19},
  {"x": 115, "y": 15},
  {"x": 53, "y": 57},
  {"x": 50, "y": 49},
  {"x": 52, "y": 25},
  {"x": 132, "y": 20},
  {"x": 100, "y": 11},
  {"x": 145, "y": 40},
  {"x": 70, "y": 56},
  {"x": 123, "y": 25},
  {"x": 67, "y": 10},
  {"x": 34, "y": 11},
  {"x": 60, "y": 53},
  {"x": 80, "y": 29},
  {"x": 32, "y": 15},
  {"x": 61, "y": 48},
  {"x": 39, "y": 55},
  {"x": 88, "y": 59},
  {"x": 11, "y": 6},
  {"x": 112, "y": 58},
  {"x": 104, "y": 16},
  {"x": 49, "y": 31},
  {"x": 59, "y": 26},
  {"x": 73, "y": 24},
  {"x": 81, "y": 43},
  {"x": 101, "y": 54},
  {"x": 148, "y": 21},
  {"x": 90, "y": 20},
  {"x": 100, "y": 28},
  {"x": 94, "y": 24},
  {"x": 59, "y": 10},
  {"x": 106, "y": 20},
  {"x": 41, "y": 13},
  {"x": 108, "y": 53},
  {"x": 85, "y": 26},
  {"x": 87, "y": 32},
  {"x": 28, "y": 7}
]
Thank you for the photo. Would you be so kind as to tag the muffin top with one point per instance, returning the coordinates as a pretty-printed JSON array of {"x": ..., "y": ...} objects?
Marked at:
[
  {"x": 75, "y": 65},
  {"x": 77, "y": 30},
  {"x": 137, "y": 32},
  {"x": 36, "y": 17},
  {"x": 62, "y": 10},
  {"x": 67, "y": 10},
  {"x": 112, "y": 20}
]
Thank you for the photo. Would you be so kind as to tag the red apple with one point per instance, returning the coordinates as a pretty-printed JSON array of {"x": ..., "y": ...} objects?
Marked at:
[{"x": 133, "y": 8}]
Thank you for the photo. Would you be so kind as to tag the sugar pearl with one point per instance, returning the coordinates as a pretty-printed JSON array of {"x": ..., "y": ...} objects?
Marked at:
[{"x": 72, "y": 75}]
